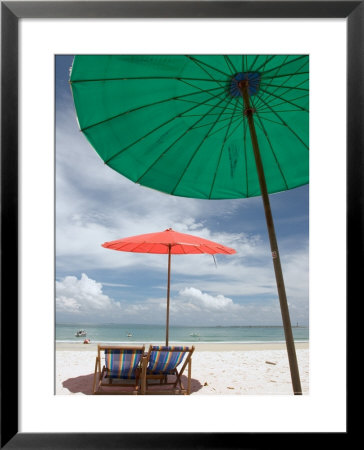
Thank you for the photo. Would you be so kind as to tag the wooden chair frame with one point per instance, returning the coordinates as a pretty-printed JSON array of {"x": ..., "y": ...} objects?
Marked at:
[
  {"x": 101, "y": 381},
  {"x": 177, "y": 385}
]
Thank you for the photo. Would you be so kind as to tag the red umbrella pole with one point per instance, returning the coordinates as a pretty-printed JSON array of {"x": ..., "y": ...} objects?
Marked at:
[
  {"x": 296, "y": 383},
  {"x": 168, "y": 290}
]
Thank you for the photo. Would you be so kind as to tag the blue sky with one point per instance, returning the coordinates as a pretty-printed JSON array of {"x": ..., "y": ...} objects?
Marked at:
[{"x": 95, "y": 204}]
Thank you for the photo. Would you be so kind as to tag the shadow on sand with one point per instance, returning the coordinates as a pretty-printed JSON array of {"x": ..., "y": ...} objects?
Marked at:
[{"x": 83, "y": 384}]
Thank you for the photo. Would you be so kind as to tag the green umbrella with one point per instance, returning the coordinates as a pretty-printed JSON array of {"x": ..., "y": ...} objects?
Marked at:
[{"x": 201, "y": 126}]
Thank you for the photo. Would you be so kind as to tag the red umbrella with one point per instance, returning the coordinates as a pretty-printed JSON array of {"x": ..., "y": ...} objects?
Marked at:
[{"x": 168, "y": 242}]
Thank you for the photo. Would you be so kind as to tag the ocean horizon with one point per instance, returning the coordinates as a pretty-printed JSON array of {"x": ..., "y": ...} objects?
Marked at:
[{"x": 141, "y": 333}]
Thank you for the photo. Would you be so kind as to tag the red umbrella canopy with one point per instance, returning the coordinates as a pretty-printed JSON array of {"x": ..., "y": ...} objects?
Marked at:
[{"x": 168, "y": 241}]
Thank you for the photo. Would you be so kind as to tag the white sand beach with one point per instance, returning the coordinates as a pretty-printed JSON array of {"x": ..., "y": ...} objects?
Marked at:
[{"x": 227, "y": 369}]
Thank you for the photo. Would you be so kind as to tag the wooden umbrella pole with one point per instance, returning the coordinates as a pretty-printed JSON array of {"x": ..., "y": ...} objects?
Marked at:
[
  {"x": 168, "y": 290},
  {"x": 292, "y": 357}
]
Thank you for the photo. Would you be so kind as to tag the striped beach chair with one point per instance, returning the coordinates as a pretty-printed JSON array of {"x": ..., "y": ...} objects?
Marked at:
[
  {"x": 162, "y": 362},
  {"x": 121, "y": 370}
]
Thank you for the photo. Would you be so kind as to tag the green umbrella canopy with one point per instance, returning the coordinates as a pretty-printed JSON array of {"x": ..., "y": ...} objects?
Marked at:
[{"x": 176, "y": 123}]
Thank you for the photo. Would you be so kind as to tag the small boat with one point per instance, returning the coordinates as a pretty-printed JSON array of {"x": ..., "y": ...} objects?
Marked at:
[
  {"x": 81, "y": 333},
  {"x": 194, "y": 334},
  {"x": 129, "y": 335}
]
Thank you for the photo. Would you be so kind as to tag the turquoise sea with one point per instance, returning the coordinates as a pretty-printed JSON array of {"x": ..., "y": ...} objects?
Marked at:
[{"x": 109, "y": 333}]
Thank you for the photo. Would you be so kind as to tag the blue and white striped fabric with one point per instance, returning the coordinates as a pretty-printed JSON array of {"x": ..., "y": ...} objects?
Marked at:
[
  {"x": 164, "y": 360},
  {"x": 122, "y": 363}
]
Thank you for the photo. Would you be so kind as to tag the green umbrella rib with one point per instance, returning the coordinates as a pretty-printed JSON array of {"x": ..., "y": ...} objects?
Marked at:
[
  {"x": 277, "y": 71},
  {"x": 286, "y": 100},
  {"x": 199, "y": 62},
  {"x": 98, "y": 80},
  {"x": 153, "y": 130},
  {"x": 209, "y": 123},
  {"x": 252, "y": 64},
  {"x": 230, "y": 64},
  {"x": 197, "y": 87},
  {"x": 244, "y": 63},
  {"x": 263, "y": 65},
  {"x": 273, "y": 121},
  {"x": 282, "y": 85},
  {"x": 222, "y": 147},
  {"x": 148, "y": 105},
  {"x": 238, "y": 116},
  {"x": 173, "y": 143},
  {"x": 212, "y": 114},
  {"x": 286, "y": 124},
  {"x": 285, "y": 64},
  {"x": 288, "y": 87},
  {"x": 260, "y": 123},
  {"x": 277, "y": 104},
  {"x": 195, "y": 152},
  {"x": 207, "y": 104},
  {"x": 284, "y": 75},
  {"x": 206, "y": 71},
  {"x": 279, "y": 68},
  {"x": 267, "y": 111},
  {"x": 234, "y": 129}
]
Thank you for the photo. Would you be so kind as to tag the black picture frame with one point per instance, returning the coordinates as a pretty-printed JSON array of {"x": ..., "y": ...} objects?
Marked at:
[{"x": 11, "y": 13}]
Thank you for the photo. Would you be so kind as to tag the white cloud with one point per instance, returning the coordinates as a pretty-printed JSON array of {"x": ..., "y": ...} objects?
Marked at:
[
  {"x": 82, "y": 296},
  {"x": 67, "y": 304},
  {"x": 205, "y": 301},
  {"x": 193, "y": 306},
  {"x": 84, "y": 299},
  {"x": 189, "y": 305}
]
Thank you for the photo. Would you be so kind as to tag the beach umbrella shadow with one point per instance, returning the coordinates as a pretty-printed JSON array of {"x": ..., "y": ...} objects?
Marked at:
[
  {"x": 195, "y": 384},
  {"x": 80, "y": 385},
  {"x": 83, "y": 384}
]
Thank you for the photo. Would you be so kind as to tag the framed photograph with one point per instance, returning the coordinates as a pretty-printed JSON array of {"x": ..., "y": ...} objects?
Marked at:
[{"x": 41, "y": 175}]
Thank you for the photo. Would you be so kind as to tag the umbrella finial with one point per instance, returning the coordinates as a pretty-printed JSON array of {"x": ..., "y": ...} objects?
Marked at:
[
  {"x": 241, "y": 80},
  {"x": 243, "y": 83}
]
